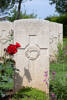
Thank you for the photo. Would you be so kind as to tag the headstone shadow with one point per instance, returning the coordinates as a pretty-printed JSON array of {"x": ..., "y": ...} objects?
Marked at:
[{"x": 18, "y": 81}]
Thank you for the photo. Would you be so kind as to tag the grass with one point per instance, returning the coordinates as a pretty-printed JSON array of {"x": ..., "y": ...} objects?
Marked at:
[
  {"x": 60, "y": 67},
  {"x": 29, "y": 94},
  {"x": 65, "y": 42}
]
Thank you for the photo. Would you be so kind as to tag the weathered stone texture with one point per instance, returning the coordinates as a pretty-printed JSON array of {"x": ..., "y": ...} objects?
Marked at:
[
  {"x": 39, "y": 40},
  {"x": 33, "y": 57},
  {"x": 5, "y": 31},
  {"x": 55, "y": 37}
]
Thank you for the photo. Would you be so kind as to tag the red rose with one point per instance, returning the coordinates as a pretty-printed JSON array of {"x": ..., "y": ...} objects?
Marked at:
[
  {"x": 18, "y": 45},
  {"x": 12, "y": 49}
]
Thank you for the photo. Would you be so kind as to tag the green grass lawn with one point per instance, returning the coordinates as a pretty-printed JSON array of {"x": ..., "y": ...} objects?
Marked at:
[
  {"x": 60, "y": 67},
  {"x": 65, "y": 42},
  {"x": 30, "y": 94},
  {"x": 59, "y": 85}
]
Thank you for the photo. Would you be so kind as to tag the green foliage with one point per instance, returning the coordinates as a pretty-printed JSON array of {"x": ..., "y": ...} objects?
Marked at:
[
  {"x": 60, "y": 53},
  {"x": 60, "y": 19},
  {"x": 30, "y": 94},
  {"x": 5, "y": 4},
  {"x": 61, "y": 5},
  {"x": 22, "y": 15},
  {"x": 52, "y": 18},
  {"x": 65, "y": 30},
  {"x": 64, "y": 42},
  {"x": 6, "y": 77},
  {"x": 59, "y": 84},
  {"x": 60, "y": 89}
]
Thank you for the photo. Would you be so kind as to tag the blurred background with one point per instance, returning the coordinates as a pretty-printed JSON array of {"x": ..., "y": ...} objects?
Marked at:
[{"x": 52, "y": 10}]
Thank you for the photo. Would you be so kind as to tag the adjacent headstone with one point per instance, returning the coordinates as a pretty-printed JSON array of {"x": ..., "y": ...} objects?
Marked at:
[
  {"x": 60, "y": 33},
  {"x": 5, "y": 35},
  {"x": 55, "y": 38}
]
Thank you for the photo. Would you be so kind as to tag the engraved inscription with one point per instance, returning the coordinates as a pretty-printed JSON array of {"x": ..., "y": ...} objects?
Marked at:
[
  {"x": 32, "y": 52},
  {"x": 4, "y": 38}
]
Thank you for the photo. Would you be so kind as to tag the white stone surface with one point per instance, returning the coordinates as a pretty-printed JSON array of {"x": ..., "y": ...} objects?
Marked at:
[
  {"x": 31, "y": 34},
  {"x": 60, "y": 35},
  {"x": 55, "y": 37},
  {"x": 5, "y": 31}
]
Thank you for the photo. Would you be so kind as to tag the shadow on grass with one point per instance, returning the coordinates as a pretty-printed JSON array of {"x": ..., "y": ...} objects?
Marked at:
[{"x": 30, "y": 93}]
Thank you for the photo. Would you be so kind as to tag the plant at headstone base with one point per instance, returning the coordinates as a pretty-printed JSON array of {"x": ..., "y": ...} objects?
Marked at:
[
  {"x": 58, "y": 87},
  {"x": 58, "y": 75},
  {"x": 46, "y": 78},
  {"x": 52, "y": 93},
  {"x": 60, "y": 53},
  {"x": 65, "y": 53},
  {"x": 7, "y": 68},
  {"x": 46, "y": 81}
]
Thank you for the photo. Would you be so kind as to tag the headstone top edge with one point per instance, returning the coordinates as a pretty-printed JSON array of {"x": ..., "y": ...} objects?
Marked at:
[
  {"x": 31, "y": 20},
  {"x": 6, "y": 23}
]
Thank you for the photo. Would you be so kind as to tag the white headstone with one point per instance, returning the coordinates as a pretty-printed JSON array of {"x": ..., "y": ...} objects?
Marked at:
[
  {"x": 5, "y": 35},
  {"x": 32, "y": 58},
  {"x": 55, "y": 37}
]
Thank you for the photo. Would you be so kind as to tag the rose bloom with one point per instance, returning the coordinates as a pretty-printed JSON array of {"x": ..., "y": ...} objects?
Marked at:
[
  {"x": 12, "y": 49},
  {"x": 18, "y": 45}
]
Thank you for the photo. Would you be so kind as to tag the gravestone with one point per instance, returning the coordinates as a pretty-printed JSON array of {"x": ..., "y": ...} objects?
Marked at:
[
  {"x": 60, "y": 33},
  {"x": 5, "y": 35},
  {"x": 32, "y": 58},
  {"x": 55, "y": 38}
]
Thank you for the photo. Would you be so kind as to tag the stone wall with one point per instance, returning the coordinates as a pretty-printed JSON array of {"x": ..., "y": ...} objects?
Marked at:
[{"x": 39, "y": 40}]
